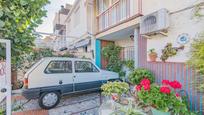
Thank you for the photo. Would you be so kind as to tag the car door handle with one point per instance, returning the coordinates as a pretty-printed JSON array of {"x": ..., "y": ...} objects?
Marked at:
[
  {"x": 3, "y": 90},
  {"x": 60, "y": 82},
  {"x": 74, "y": 76}
]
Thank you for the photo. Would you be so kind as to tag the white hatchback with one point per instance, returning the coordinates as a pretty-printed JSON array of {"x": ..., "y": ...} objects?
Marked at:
[{"x": 53, "y": 77}]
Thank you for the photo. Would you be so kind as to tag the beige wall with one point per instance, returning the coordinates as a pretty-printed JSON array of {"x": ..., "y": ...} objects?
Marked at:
[
  {"x": 59, "y": 19},
  {"x": 180, "y": 22},
  {"x": 149, "y": 6},
  {"x": 126, "y": 42}
]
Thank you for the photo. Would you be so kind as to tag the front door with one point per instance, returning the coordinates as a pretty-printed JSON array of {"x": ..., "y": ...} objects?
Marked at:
[
  {"x": 87, "y": 76},
  {"x": 104, "y": 61},
  {"x": 59, "y": 73}
]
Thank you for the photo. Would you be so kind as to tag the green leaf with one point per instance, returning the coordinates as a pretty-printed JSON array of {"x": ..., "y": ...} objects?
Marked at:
[
  {"x": 1, "y": 13},
  {"x": 1, "y": 24},
  {"x": 23, "y": 2}
]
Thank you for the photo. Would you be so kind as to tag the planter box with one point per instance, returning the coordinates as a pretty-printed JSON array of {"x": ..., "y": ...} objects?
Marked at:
[{"x": 157, "y": 112}]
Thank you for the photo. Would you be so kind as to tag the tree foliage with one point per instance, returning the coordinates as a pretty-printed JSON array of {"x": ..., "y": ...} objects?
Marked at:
[
  {"x": 197, "y": 54},
  {"x": 18, "y": 20},
  {"x": 37, "y": 54}
]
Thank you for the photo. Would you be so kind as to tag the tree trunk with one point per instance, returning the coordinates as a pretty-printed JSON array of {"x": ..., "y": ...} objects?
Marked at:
[{"x": 14, "y": 80}]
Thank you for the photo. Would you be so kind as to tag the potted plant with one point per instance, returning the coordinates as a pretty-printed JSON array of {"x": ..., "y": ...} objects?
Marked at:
[
  {"x": 162, "y": 99},
  {"x": 115, "y": 90},
  {"x": 152, "y": 55}
]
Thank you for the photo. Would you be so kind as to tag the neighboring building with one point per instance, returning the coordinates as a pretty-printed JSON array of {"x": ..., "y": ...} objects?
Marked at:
[
  {"x": 79, "y": 24},
  {"x": 117, "y": 20},
  {"x": 59, "y": 28},
  {"x": 39, "y": 42},
  {"x": 49, "y": 42}
]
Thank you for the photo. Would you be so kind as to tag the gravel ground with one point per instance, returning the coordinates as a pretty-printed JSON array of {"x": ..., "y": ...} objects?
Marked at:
[{"x": 83, "y": 104}]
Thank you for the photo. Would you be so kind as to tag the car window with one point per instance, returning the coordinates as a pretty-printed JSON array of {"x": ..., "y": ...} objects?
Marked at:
[
  {"x": 85, "y": 66},
  {"x": 59, "y": 67}
]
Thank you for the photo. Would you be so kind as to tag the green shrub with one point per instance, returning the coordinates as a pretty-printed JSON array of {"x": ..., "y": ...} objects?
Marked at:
[
  {"x": 138, "y": 74},
  {"x": 115, "y": 87},
  {"x": 2, "y": 112},
  {"x": 112, "y": 53},
  {"x": 197, "y": 54},
  {"x": 129, "y": 64},
  {"x": 197, "y": 60}
]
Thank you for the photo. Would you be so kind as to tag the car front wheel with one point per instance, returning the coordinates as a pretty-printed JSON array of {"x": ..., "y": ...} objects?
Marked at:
[{"x": 49, "y": 100}]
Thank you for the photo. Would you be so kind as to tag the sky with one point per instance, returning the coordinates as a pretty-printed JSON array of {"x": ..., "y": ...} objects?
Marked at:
[{"x": 52, "y": 8}]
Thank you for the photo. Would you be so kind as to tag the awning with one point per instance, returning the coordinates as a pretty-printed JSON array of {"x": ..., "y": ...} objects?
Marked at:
[
  {"x": 82, "y": 43},
  {"x": 71, "y": 47}
]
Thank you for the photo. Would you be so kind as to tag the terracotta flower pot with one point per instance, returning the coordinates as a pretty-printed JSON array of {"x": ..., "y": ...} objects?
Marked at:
[{"x": 153, "y": 57}]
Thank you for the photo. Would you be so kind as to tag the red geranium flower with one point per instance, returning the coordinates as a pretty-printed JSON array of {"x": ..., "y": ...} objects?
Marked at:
[
  {"x": 145, "y": 82},
  {"x": 175, "y": 84},
  {"x": 115, "y": 97},
  {"x": 165, "y": 82},
  {"x": 146, "y": 87},
  {"x": 177, "y": 95},
  {"x": 165, "y": 90},
  {"x": 138, "y": 87}
]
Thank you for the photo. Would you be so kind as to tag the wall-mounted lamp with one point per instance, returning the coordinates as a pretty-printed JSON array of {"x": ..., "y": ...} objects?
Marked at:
[{"x": 132, "y": 37}]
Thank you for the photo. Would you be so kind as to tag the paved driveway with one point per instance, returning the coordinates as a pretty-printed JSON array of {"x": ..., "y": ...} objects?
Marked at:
[{"x": 84, "y": 104}]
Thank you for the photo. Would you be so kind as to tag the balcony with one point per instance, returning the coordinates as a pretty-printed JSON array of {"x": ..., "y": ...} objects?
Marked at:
[{"x": 119, "y": 12}]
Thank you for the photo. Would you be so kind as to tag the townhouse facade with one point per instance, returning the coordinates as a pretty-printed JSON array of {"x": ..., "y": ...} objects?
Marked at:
[
  {"x": 79, "y": 24},
  {"x": 136, "y": 25}
]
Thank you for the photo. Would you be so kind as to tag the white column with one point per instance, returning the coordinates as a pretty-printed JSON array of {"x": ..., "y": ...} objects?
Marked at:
[
  {"x": 93, "y": 48},
  {"x": 136, "y": 37},
  {"x": 8, "y": 75}
]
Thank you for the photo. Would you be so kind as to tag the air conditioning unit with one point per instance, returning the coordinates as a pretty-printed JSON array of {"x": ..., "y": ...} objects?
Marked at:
[{"x": 156, "y": 22}]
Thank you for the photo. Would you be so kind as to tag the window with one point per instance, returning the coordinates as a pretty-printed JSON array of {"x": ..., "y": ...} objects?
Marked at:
[
  {"x": 84, "y": 66},
  {"x": 106, "y": 4},
  {"x": 59, "y": 67},
  {"x": 85, "y": 49},
  {"x": 114, "y": 1},
  {"x": 100, "y": 6}
]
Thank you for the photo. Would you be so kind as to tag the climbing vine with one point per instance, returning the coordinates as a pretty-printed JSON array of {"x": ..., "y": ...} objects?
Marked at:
[
  {"x": 197, "y": 58},
  {"x": 169, "y": 51},
  {"x": 197, "y": 50},
  {"x": 112, "y": 53},
  {"x": 197, "y": 12}
]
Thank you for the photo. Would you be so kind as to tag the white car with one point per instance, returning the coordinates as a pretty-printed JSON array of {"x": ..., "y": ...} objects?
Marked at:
[{"x": 53, "y": 77}]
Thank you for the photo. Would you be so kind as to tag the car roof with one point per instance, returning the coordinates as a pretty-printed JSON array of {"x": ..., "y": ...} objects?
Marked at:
[{"x": 66, "y": 58}]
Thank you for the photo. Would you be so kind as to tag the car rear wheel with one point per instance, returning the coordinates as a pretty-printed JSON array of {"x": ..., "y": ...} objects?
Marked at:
[{"x": 49, "y": 100}]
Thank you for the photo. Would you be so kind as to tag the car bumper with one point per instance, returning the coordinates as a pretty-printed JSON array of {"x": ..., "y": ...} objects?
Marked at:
[{"x": 31, "y": 93}]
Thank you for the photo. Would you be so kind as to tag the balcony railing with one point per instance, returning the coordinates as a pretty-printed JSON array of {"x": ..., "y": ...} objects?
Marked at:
[{"x": 118, "y": 12}]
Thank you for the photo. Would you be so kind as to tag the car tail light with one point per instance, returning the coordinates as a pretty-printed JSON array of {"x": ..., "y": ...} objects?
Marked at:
[{"x": 26, "y": 83}]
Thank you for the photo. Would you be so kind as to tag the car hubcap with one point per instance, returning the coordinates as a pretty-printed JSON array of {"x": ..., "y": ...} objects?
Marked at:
[{"x": 50, "y": 99}]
